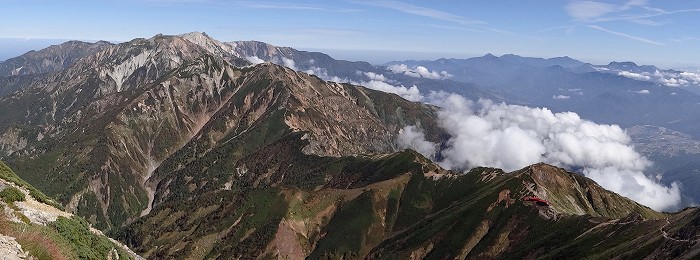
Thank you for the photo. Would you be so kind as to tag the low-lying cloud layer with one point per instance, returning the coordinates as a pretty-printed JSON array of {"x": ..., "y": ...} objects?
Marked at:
[
  {"x": 666, "y": 78},
  {"x": 635, "y": 76},
  {"x": 418, "y": 72},
  {"x": 375, "y": 81},
  {"x": 289, "y": 63},
  {"x": 412, "y": 137},
  {"x": 511, "y": 137},
  {"x": 411, "y": 94},
  {"x": 254, "y": 59}
]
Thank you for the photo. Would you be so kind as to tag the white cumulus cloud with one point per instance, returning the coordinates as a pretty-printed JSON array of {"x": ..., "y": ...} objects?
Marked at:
[
  {"x": 669, "y": 78},
  {"x": 412, "y": 137},
  {"x": 289, "y": 63},
  {"x": 561, "y": 97},
  {"x": 411, "y": 94},
  {"x": 374, "y": 76},
  {"x": 418, "y": 72},
  {"x": 691, "y": 76},
  {"x": 320, "y": 72},
  {"x": 511, "y": 137},
  {"x": 635, "y": 76},
  {"x": 254, "y": 59}
]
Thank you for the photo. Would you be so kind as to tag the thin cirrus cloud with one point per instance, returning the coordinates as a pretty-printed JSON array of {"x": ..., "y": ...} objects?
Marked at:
[
  {"x": 434, "y": 14},
  {"x": 424, "y": 11},
  {"x": 685, "y": 39},
  {"x": 655, "y": 12},
  {"x": 639, "y": 12},
  {"x": 587, "y": 10},
  {"x": 288, "y": 6},
  {"x": 628, "y": 36},
  {"x": 592, "y": 10}
]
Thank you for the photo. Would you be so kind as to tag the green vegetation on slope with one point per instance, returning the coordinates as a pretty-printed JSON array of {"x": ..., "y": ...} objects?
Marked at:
[
  {"x": 11, "y": 194},
  {"x": 84, "y": 243},
  {"x": 346, "y": 234},
  {"x": 66, "y": 238},
  {"x": 7, "y": 174}
]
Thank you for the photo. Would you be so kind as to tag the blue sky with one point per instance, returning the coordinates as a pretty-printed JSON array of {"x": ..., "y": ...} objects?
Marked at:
[{"x": 651, "y": 32}]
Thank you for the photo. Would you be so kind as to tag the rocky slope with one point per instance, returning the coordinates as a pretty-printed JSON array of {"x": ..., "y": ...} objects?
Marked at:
[
  {"x": 402, "y": 206},
  {"x": 104, "y": 126},
  {"x": 19, "y": 72},
  {"x": 32, "y": 229},
  {"x": 51, "y": 59},
  {"x": 63, "y": 122}
]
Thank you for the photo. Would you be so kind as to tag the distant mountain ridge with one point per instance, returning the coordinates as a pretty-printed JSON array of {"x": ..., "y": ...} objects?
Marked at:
[
  {"x": 50, "y": 59},
  {"x": 616, "y": 93}
]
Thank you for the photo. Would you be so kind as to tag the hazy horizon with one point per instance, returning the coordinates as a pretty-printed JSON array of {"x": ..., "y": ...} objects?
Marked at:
[
  {"x": 14, "y": 47},
  {"x": 647, "y": 32}
]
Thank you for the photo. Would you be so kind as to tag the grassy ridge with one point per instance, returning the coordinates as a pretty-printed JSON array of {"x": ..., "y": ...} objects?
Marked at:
[
  {"x": 7, "y": 174},
  {"x": 66, "y": 238}
]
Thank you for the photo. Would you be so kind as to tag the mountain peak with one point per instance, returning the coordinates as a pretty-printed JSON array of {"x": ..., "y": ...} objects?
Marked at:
[
  {"x": 624, "y": 64},
  {"x": 195, "y": 34},
  {"x": 490, "y": 56},
  {"x": 575, "y": 194},
  {"x": 50, "y": 59},
  {"x": 208, "y": 43}
]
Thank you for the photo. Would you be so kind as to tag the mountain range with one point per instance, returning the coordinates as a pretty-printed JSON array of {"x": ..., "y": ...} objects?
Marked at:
[
  {"x": 605, "y": 94},
  {"x": 187, "y": 147}
]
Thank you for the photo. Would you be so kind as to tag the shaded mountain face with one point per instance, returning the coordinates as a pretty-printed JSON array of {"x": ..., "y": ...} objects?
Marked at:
[
  {"x": 303, "y": 60},
  {"x": 400, "y": 205}
]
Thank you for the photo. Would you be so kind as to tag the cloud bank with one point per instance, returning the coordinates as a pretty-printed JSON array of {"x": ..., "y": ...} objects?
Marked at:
[
  {"x": 411, "y": 137},
  {"x": 511, "y": 137},
  {"x": 418, "y": 72},
  {"x": 289, "y": 63},
  {"x": 376, "y": 82},
  {"x": 411, "y": 94},
  {"x": 254, "y": 59},
  {"x": 669, "y": 78},
  {"x": 635, "y": 76},
  {"x": 374, "y": 76}
]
